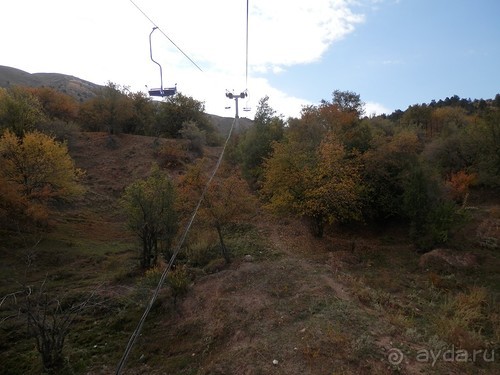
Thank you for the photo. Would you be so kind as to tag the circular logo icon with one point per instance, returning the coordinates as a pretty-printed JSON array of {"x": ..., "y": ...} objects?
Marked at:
[{"x": 395, "y": 356}]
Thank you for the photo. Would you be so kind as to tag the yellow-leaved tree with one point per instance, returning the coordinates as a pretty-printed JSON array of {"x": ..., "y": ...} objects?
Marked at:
[
  {"x": 35, "y": 171},
  {"x": 322, "y": 184},
  {"x": 336, "y": 186}
]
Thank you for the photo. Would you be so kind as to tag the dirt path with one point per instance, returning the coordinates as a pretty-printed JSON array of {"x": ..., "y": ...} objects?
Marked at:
[
  {"x": 312, "y": 256},
  {"x": 294, "y": 241}
]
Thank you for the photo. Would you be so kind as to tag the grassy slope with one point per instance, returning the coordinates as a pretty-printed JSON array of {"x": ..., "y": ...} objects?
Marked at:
[{"x": 330, "y": 306}]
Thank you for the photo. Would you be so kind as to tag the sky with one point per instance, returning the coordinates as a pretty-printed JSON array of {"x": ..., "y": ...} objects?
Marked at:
[{"x": 393, "y": 53}]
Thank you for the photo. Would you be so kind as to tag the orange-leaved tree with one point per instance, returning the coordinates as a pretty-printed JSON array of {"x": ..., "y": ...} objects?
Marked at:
[
  {"x": 55, "y": 104},
  {"x": 227, "y": 198},
  {"x": 458, "y": 185}
]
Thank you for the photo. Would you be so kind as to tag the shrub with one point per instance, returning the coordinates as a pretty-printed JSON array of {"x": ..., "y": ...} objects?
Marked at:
[
  {"x": 201, "y": 249},
  {"x": 458, "y": 185},
  {"x": 464, "y": 318},
  {"x": 62, "y": 131},
  {"x": 196, "y": 137},
  {"x": 179, "y": 280},
  {"x": 172, "y": 156}
]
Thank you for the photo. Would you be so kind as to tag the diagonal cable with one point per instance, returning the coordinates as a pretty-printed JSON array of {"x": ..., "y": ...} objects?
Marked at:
[
  {"x": 138, "y": 329},
  {"x": 166, "y": 36}
]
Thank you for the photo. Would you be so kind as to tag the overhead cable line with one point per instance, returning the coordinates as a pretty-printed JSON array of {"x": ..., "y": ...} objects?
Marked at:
[
  {"x": 166, "y": 36},
  {"x": 244, "y": 93},
  {"x": 246, "y": 63},
  {"x": 138, "y": 329}
]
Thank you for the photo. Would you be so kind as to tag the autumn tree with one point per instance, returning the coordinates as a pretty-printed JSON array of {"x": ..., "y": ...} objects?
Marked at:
[
  {"x": 226, "y": 199},
  {"x": 417, "y": 204},
  {"x": 322, "y": 184},
  {"x": 111, "y": 110},
  {"x": 384, "y": 171},
  {"x": 418, "y": 117},
  {"x": 20, "y": 110},
  {"x": 447, "y": 121},
  {"x": 16, "y": 212},
  {"x": 197, "y": 137},
  {"x": 143, "y": 114},
  {"x": 486, "y": 143},
  {"x": 149, "y": 206},
  {"x": 177, "y": 110},
  {"x": 432, "y": 215},
  {"x": 256, "y": 143},
  {"x": 458, "y": 185},
  {"x": 343, "y": 116},
  {"x": 336, "y": 186},
  {"x": 288, "y": 174},
  {"x": 451, "y": 153},
  {"x": 36, "y": 170},
  {"x": 40, "y": 167},
  {"x": 348, "y": 102},
  {"x": 470, "y": 144},
  {"x": 55, "y": 104}
]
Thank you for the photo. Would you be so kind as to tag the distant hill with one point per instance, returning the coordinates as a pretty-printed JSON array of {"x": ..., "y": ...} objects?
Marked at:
[
  {"x": 223, "y": 124},
  {"x": 83, "y": 90},
  {"x": 74, "y": 86}
]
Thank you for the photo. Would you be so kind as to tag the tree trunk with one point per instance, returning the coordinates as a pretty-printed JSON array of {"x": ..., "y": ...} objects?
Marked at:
[
  {"x": 223, "y": 248},
  {"x": 144, "y": 257},
  {"x": 318, "y": 226},
  {"x": 148, "y": 241}
]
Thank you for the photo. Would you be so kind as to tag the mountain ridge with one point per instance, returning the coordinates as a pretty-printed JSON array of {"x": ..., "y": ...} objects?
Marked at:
[{"x": 76, "y": 87}]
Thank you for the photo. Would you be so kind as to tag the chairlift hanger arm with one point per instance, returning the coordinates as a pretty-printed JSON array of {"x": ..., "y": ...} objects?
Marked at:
[
  {"x": 242, "y": 95},
  {"x": 159, "y": 91},
  {"x": 153, "y": 60}
]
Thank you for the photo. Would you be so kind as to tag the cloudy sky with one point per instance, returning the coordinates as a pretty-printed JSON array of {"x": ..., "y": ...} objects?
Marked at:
[{"x": 394, "y": 53}]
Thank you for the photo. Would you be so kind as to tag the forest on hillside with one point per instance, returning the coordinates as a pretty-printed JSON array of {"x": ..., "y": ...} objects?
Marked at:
[
  {"x": 332, "y": 168},
  {"x": 331, "y": 165}
]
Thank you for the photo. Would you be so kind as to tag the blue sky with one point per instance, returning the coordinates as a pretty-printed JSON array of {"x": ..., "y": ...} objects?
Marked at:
[
  {"x": 409, "y": 52},
  {"x": 394, "y": 53}
]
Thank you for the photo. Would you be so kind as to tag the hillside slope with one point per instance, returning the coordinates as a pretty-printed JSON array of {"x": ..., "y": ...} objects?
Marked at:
[
  {"x": 289, "y": 303},
  {"x": 74, "y": 86}
]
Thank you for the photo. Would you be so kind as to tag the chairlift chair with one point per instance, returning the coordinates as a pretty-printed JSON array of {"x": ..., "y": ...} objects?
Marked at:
[
  {"x": 161, "y": 92},
  {"x": 247, "y": 108}
]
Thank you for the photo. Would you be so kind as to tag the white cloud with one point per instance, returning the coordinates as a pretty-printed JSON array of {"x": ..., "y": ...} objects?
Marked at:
[
  {"x": 282, "y": 33},
  {"x": 374, "y": 109},
  {"x": 108, "y": 41},
  {"x": 286, "y": 33}
]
